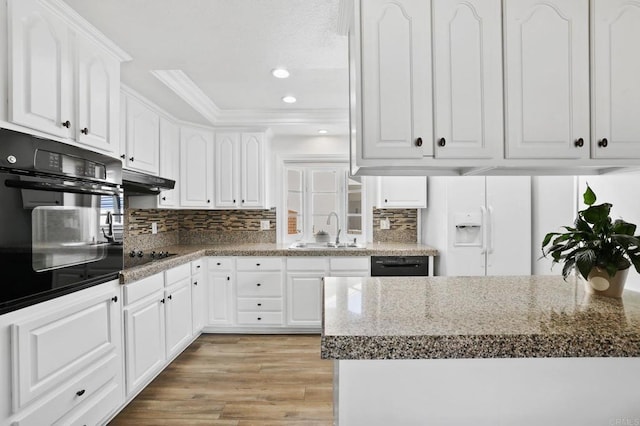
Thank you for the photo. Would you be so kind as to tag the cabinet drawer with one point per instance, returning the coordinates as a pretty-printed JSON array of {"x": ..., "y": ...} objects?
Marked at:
[
  {"x": 83, "y": 387},
  {"x": 259, "y": 284},
  {"x": 196, "y": 266},
  {"x": 97, "y": 409},
  {"x": 176, "y": 274},
  {"x": 260, "y": 318},
  {"x": 140, "y": 289},
  {"x": 259, "y": 264},
  {"x": 306, "y": 264},
  {"x": 350, "y": 263},
  {"x": 220, "y": 263},
  {"x": 259, "y": 304}
]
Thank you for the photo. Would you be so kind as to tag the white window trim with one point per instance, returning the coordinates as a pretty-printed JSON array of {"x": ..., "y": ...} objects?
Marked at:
[{"x": 309, "y": 160}]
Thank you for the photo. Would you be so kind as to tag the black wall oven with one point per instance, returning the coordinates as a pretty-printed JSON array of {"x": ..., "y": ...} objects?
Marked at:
[{"x": 60, "y": 207}]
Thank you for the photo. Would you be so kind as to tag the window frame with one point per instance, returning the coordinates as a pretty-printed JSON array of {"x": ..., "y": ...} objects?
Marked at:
[{"x": 306, "y": 165}]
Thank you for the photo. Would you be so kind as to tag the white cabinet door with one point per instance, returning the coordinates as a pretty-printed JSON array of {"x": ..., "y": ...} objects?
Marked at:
[
  {"x": 227, "y": 146},
  {"x": 196, "y": 171},
  {"x": 98, "y": 97},
  {"x": 178, "y": 326},
  {"x": 304, "y": 303},
  {"x": 143, "y": 137},
  {"x": 467, "y": 56},
  {"x": 145, "y": 340},
  {"x": 402, "y": 192},
  {"x": 198, "y": 302},
  {"x": 547, "y": 79},
  {"x": 396, "y": 79},
  {"x": 169, "y": 161},
  {"x": 615, "y": 76},
  {"x": 41, "y": 70},
  {"x": 221, "y": 307},
  {"x": 253, "y": 175}
]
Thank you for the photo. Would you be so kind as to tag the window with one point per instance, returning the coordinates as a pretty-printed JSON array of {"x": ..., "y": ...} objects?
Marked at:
[{"x": 313, "y": 192}]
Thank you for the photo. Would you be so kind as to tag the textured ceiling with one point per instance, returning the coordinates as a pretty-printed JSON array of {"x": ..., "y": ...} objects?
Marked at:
[{"x": 228, "y": 48}]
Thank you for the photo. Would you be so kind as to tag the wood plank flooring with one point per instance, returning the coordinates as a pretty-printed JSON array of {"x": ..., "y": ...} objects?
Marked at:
[{"x": 239, "y": 380}]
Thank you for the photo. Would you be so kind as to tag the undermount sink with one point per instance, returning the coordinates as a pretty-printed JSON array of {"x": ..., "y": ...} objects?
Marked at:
[{"x": 325, "y": 246}]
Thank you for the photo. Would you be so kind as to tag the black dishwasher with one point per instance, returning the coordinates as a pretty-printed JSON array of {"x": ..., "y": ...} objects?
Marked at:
[{"x": 399, "y": 266}]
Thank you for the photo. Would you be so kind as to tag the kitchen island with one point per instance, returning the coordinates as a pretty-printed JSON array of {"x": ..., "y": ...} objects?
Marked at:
[{"x": 482, "y": 351}]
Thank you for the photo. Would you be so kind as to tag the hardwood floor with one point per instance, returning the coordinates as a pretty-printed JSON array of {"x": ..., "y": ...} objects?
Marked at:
[{"x": 239, "y": 380}]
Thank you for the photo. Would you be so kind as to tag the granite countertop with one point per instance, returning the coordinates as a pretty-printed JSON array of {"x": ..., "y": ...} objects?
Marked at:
[
  {"x": 475, "y": 317},
  {"x": 187, "y": 253}
]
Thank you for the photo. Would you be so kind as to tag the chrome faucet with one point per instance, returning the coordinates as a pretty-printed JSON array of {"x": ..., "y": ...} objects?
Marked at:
[
  {"x": 110, "y": 237},
  {"x": 337, "y": 225}
]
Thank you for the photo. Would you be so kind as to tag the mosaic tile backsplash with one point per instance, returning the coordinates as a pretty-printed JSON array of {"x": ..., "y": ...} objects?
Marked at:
[
  {"x": 233, "y": 226},
  {"x": 196, "y": 227},
  {"x": 404, "y": 225}
]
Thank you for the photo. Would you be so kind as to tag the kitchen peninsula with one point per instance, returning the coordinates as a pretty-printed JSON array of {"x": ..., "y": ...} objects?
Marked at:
[{"x": 527, "y": 350}]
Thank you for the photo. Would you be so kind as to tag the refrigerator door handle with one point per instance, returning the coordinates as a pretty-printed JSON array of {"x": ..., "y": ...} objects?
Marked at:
[
  {"x": 483, "y": 248},
  {"x": 490, "y": 230}
]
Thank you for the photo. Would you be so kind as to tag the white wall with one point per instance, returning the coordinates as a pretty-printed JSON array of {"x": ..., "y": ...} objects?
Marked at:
[{"x": 623, "y": 191}]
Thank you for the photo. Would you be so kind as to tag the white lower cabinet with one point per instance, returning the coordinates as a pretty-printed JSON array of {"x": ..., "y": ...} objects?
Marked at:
[
  {"x": 158, "y": 323},
  {"x": 220, "y": 273},
  {"x": 274, "y": 294},
  {"x": 66, "y": 366},
  {"x": 350, "y": 266},
  {"x": 198, "y": 296},
  {"x": 259, "y": 285},
  {"x": 178, "y": 319},
  {"x": 304, "y": 290},
  {"x": 144, "y": 331}
]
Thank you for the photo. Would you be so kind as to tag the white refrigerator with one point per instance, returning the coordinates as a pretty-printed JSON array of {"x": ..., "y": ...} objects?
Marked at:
[{"x": 488, "y": 226}]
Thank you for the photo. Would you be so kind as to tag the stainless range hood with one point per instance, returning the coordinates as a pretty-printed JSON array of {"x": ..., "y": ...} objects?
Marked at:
[{"x": 137, "y": 183}]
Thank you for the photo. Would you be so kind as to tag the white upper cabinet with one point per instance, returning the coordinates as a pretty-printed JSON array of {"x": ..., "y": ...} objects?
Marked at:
[
  {"x": 226, "y": 170},
  {"x": 196, "y": 171},
  {"x": 64, "y": 76},
  {"x": 98, "y": 97},
  {"x": 169, "y": 161},
  {"x": 467, "y": 63},
  {"x": 143, "y": 137},
  {"x": 547, "y": 79},
  {"x": 241, "y": 170},
  {"x": 402, "y": 192},
  {"x": 616, "y": 79},
  {"x": 253, "y": 176},
  {"x": 396, "y": 78},
  {"x": 41, "y": 69}
]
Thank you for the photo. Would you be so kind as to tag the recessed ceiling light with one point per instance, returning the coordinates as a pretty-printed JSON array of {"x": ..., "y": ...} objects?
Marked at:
[
  {"x": 289, "y": 99},
  {"x": 323, "y": 131},
  {"x": 280, "y": 73}
]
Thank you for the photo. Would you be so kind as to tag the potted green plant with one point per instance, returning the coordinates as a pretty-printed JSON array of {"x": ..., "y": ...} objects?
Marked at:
[{"x": 600, "y": 249}]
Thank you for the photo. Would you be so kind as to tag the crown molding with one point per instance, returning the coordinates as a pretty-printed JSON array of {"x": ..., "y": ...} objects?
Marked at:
[
  {"x": 268, "y": 117},
  {"x": 80, "y": 25},
  {"x": 185, "y": 88},
  {"x": 180, "y": 83}
]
